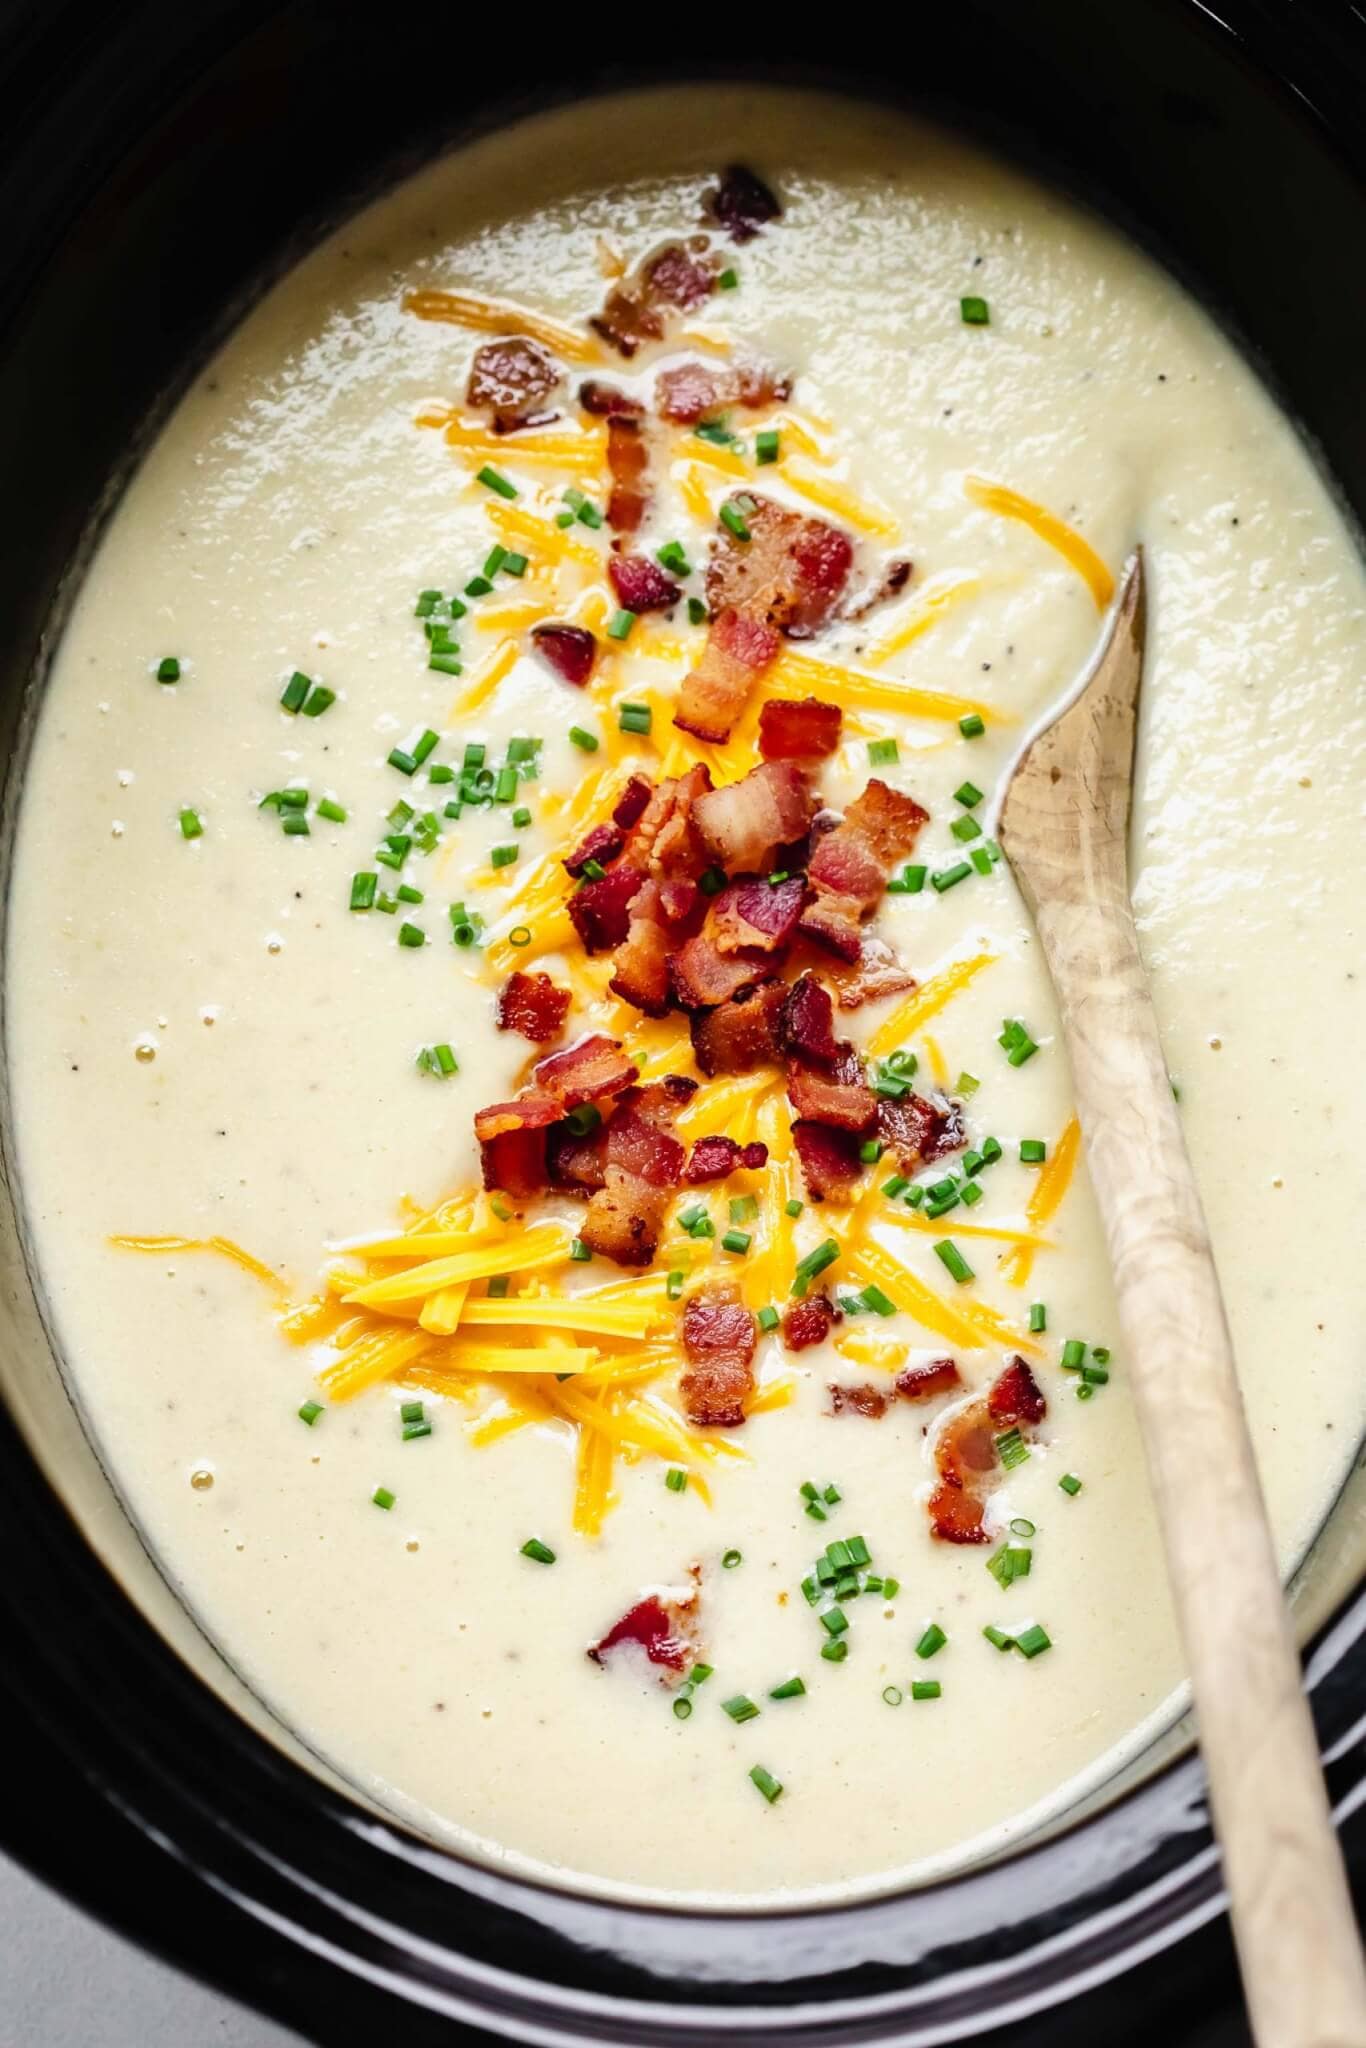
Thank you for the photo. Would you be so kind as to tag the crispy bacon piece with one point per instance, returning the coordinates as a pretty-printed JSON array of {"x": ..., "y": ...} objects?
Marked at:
[
  {"x": 574, "y": 1162},
  {"x": 512, "y": 1143},
  {"x": 713, "y": 694},
  {"x": 895, "y": 576},
  {"x": 741, "y": 203},
  {"x": 605, "y": 401},
  {"x": 809, "y": 1322},
  {"x": 923, "y": 1382},
  {"x": 628, "y": 463},
  {"x": 719, "y": 1338},
  {"x": 642, "y": 970},
  {"x": 829, "y": 1159},
  {"x": 663, "y": 1625},
  {"x": 876, "y": 973},
  {"x": 642, "y": 1163},
  {"x": 631, "y": 804},
  {"x": 849, "y": 867},
  {"x": 584, "y": 1072},
  {"x": 689, "y": 392},
  {"x": 664, "y": 841},
  {"x": 533, "y": 1005},
  {"x": 806, "y": 1023},
  {"x": 966, "y": 1457},
  {"x": 601, "y": 843},
  {"x": 798, "y": 730},
  {"x": 510, "y": 379},
  {"x": 701, "y": 976},
  {"x": 758, "y": 916},
  {"x": 743, "y": 825},
  {"x": 640, "y": 584},
  {"x": 920, "y": 1131},
  {"x": 717, "y": 1158},
  {"x": 739, "y": 1036},
  {"x": 790, "y": 573},
  {"x": 840, "y": 1097},
  {"x": 570, "y": 650},
  {"x": 675, "y": 279},
  {"x": 863, "y": 1400},
  {"x": 601, "y": 911}
]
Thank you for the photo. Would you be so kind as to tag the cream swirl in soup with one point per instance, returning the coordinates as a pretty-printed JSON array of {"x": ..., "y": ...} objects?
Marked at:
[{"x": 540, "y": 1109}]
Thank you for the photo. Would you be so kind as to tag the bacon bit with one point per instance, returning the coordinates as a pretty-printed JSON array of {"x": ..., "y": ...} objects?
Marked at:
[
  {"x": 790, "y": 573},
  {"x": 602, "y": 843},
  {"x": 1016, "y": 1396},
  {"x": 673, "y": 280},
  {"x": 793, "y": 730},
  {"x": 829, "y": 1159},
  {"x": 842, "y": 1097},
  {"x": 809, "y": 1322},
  {"x": 605, "y": 402},
  {"x": 515, "y": 1162},
  {"x": 642, "y": 1162},
  {"x": 689, "y": 392},
  {"x": 761, "y": 916},
  {"x": 665, "y": 1629},
  {"x": 600, "y": 911},
  {"x": 920, "y": 1131},
  {"x": 719, "y": 1337},
  {"x": 923, "y": 1382},
  {"x": 849, "y": 866},
  {"x": 630, "y": 805},
  {"x": 642, "y": 969},
  {"x": 712, "y": 696},
  {"x": 570, "y": 650},
  {"x": 806, "y": 1023},
  {"x": 717, "y": 1158},
  {"x": 593, "y": 1067},
  {"x": 743, "y": 825},
  {"x": 532, "y": 1005},
  {"x": 965, "y": 1453},
  {"x": 628, "y": 462},
  {"x": 679, "y": 901},
  {"x": 663, "y": 841},
  {"x": 893, "y": 580},
  {"x": 741, "y": 203},
  {"x": 739, "y": 1036},
  {"x": 576, "y": 1163},
  {"x": 864, "y": 1400},
  {"x": 701, "y": 976},
  {"x": 876, "y": 973},
  {"x": 509, "y": 379},
  {"x": 641, "y": 584}
]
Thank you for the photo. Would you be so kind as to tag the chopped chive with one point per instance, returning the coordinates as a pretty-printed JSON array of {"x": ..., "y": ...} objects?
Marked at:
[
  {"x": 168, "y": 669},
  {"x": 682, "y": 1704},
  {"x": 406, "y": 893},
  {"x": 793, "y": 1207},
  {"x": 699, "y": 1673},
  {"x": 881, "y": 1304},
  {"x": 966, "y": 828},
  {"x": 831, "y": 1495},
  {"x": 520, "y": 935},
  {"x": 382, "y": 1498},
  {"x": 893, "y": 1695},
  {"x": 446, "y": 1061},
  {"x": 991, "y": 1150},
  {"x": 835, "y": 1621},
  {"x": 620, "y": 624},
  {"x": 728, "y": 280},
  {"x": 931, "y": 1641},
  {"x": 740, "y": 1708},
  {"x": 672, "y": 557},
  {"x": 318, "y": 700},
  {"x": 411, "y": 935},
  {"x": 998, "y": 1638},
  {"x": 521, "y": 817},
  {"x": 676, "y": 1479},
  {"x": 634, "y": 718},
  {"x": 1085, "y": 1393},
  {"x": 768, "y": 1318},
  {"x": 891, "y": 1587},
  {"x": 815, "y": 1262},
  {"x": 730, "y": 1559},
  {"x": 1096, "y": 1375},
  {"x": 882, "y": 753},
  {"x": 839, "y": 1556},
  {"x": 496, "y": 558},
  {"x": 579, "y": 1251},
  {"x": 1021, "y": 1526},
  {"x": 947, "y": 1251},
  {"x": 404, "y": 762},
  {"x": 697, "y": 611},
  {"x": 441, "y": 771},
  {"x": 858, "y": 1550},
  {"x": 505, "y": 788},
  {"x": 1033, "y": 1151},
  {"x": 587, "y": 740},
  {"x": 967, "y": 794},
  {"x": 1070, "y": 1483},
  {"x": 502, "y": 856},
  {"x": 1100, "y": 1354},
  {"x": 743, "y": 1208},
  {"x": 971, "y": 1195},
  {"x": 192, "y": 825},
  {"x": 413, "y": 1430},
  {"x": 428, "y": 602},
  {"x": 494, "y": 480},
  {"x": 478, "y": 586},
  {"x": 515, "y": 564},
  {"x": 1073, "y": 1354},
  {"x": 980, "y": 859},
  {"x": 538, "y": 1552},
  {"x": 310, "y": 1412},
  {"x": 897, "y": 1185},
  {"x": 975, "y": 312},
  {"x": 1011, "y": 1448},
  {"x": 497, "y": 1288},
  {"x": 673, "y": 1286},
  {"x": 1012, "y": 1561},
  {"x": 583, "y": 1118},
  {"x": 767, "y": 445},
  {"x": 733, "y": 519},
  {"x": 946, "y": 878},
  {"x": 790, "y": 1689},
  {"x": 966, "y": 1085},
  {"x": 926, "y": 1689},
  {"x": 294, "y": 825},
  {"x": 716, "y": 432},
  {"x": 295, "y": 691},
  {"x": 870, "y": 1151},
  {"x": 333, "y": 812},
  {"x": 1038, "y": 1316},
  {"x": 1032, "y": 1641},
  {"x": 737, "y": 1241},
  {"x": 835, "y": 1651},
  {"x": 770, "y": 1786},
  {"x": 972, "y": 726}
]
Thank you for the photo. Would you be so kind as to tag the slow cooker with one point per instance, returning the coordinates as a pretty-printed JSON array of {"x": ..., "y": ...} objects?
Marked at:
[{"x": 163, "y": 165}]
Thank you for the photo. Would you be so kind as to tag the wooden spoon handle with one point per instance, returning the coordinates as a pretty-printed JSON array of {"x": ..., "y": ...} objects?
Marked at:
[{"x": 1298, "y": 1943}]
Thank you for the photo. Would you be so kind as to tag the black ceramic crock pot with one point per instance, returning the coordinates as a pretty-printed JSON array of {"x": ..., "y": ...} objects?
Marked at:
[{"x": 161, "y": 163}]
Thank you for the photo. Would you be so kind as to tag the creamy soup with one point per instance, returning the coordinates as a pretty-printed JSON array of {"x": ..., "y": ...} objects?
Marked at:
[{"x": 293, "y": 821}]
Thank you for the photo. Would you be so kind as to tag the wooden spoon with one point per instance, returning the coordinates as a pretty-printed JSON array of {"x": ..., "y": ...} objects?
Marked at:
[{"x": 1063, "y": 825}]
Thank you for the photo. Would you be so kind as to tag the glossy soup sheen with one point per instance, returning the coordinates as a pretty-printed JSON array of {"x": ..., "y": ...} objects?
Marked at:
[{"x": 205, "y": 1040}]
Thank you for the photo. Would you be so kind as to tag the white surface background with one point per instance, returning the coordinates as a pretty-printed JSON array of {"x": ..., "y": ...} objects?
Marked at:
[{"x": 67, "y": 1983}]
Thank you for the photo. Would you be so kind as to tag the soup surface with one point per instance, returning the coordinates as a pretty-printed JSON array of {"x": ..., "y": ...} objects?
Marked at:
[{"x": 294, "y": 819}]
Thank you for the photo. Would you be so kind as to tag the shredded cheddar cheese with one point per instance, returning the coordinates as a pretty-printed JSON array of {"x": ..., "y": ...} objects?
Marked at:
[
  {"x": 497, "y": 316},
  {"x": 839, "y": 499},
  {"x": 1075, "y": 551},
  {"x": 1055, "y": 1177},
  {"x": 925, "y": 1002},
  {"x": 224, "y": 1246},
  {"x": 794, "y": 671},
  {"x": 923, "y": 612}
]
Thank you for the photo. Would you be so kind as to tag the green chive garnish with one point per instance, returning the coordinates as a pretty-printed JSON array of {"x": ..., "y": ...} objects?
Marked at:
[
  {"x": 740, "y": 1708},
  {"x": 926, "y": 1689},
  {"x": 191, "y": 824},
  {"x": 768, "y": 1319},
  {"x": 538, "y": 1552},
  {"x": 672, "y": 557},
  {"x": 579, "y": 1251},
  {"x": 318, "y": 700},
  {"x": 931, "y": 1641},
  {"x": 1032, "y": 1641},
  {"x": 494, "y": 480},
  {"x": 634, "y": 718},
  {"x": 738, "y": 1241},
  {"x": 295, "y": 690},
  {"x": 770, "y": 1786},
  {"x": 411, "y": 935},
  {"x": 363, "y": 887},
  {"x": 947, "y": 878},
  {"x": 793, "y": 1207},
  {"x": 310, "y": 1412},
  {"x": 620, "y": 624},
  {"x": 734, "y": 519},
  {"x": 882, "y": 753},
  {"x": 1070, "y": 1483},
  {"x": 975, "y": 312},
  {"x": 790, "y": 1689},
  {"x": 587, "y": 740},
  {"x": 676, "y": 1479},
  {"x": 382, "y": 1498},
  {"x": 893, "y": 1695},
  {"x": 835, "y": 1651},
  {"x": 1038, "y": 1316},
  {"x": 731, "y": 1558},
  {"x": 947, "y": 1251},
  {"x": 502, "y": 856},
  {"x": 767, "y": 445},
  {"x": 168, "y": 669},
  {"x": 697, "y": 611},
  {"x": 972, "y": 727}
]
